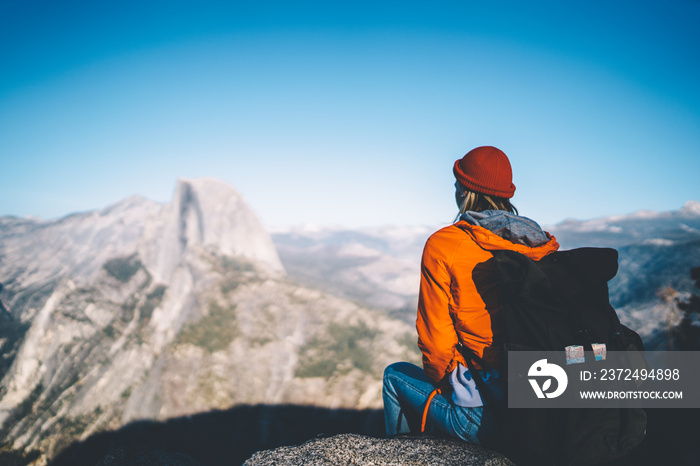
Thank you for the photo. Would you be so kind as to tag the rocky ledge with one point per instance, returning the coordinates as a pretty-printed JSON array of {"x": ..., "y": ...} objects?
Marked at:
[{"x": 358, "y": 449}]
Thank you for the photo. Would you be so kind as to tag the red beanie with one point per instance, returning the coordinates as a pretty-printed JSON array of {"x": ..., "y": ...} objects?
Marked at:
[{"x": 486, "y": 170}]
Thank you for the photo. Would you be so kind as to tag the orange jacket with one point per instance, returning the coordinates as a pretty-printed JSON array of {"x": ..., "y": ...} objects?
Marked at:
[{"x": 450, "y": 308}]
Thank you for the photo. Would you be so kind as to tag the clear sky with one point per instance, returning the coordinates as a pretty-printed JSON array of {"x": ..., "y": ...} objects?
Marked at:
[{"x": 349, "y": 112}]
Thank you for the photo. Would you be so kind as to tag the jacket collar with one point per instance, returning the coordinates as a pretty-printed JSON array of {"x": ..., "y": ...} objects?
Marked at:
[{"x": 491, "y": 241}]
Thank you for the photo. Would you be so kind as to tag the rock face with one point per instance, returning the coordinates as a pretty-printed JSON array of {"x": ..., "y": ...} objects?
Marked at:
[
  {"x": 361, "y": 450},
  {"x": 207, "y": 213},
  {"x": 149, "y": 311}
]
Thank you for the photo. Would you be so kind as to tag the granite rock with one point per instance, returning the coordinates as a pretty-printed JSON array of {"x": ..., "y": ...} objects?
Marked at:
[{"x": 359, "y": 449}]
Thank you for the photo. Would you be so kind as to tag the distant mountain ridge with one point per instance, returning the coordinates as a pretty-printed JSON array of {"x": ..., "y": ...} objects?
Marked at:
[
  {"x": 203, "y": 212},
  {"x": 643, "y": 227}
]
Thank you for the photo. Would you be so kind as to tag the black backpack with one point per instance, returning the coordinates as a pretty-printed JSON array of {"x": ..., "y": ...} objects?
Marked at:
[{"x": 547, "y": 305}]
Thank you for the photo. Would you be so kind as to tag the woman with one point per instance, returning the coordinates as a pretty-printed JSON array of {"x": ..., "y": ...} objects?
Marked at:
[{"x": 458, "y": 305}]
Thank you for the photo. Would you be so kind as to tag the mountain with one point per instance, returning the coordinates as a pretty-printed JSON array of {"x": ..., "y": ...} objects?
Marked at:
[{"x": 150, "y": 311}]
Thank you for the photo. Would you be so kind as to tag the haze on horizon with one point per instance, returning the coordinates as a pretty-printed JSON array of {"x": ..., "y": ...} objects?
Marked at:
[{"x": 350, "y": 113}]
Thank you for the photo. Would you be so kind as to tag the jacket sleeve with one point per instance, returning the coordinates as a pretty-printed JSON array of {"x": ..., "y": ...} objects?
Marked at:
[{"x": 437, "y": 338}]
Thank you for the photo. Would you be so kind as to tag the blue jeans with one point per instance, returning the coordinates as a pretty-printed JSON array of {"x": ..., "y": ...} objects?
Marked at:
[{"x": 406, "y": 389}]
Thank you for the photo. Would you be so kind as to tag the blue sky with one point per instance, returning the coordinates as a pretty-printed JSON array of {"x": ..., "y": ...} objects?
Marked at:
[{"x": 349, "y": 112}]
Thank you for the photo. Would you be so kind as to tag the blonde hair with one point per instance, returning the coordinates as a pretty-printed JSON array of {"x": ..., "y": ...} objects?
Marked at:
[{"x": 478, "y": 202}]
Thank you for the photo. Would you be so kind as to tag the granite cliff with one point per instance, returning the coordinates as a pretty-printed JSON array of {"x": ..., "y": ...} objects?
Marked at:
[{"x": 150, "y": 311}]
